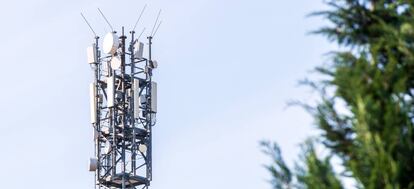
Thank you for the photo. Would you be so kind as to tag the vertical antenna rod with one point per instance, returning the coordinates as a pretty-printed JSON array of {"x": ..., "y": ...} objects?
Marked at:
[
  {"x": 90, "y": 27},
  {"x": 141, "y": 33},
  {"x": 106, "y": 20},
  {"x": 156, "y": 21},
  {"x": 139, "y": 18},
  {"x": 153, "y": 35}
]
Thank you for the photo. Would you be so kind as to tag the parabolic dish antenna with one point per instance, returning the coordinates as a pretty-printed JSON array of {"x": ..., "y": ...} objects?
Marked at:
[
  {"x": 115, "y": 63},
  {"x": 142, "y": 148},
  {"x": 110, "y": 43}
]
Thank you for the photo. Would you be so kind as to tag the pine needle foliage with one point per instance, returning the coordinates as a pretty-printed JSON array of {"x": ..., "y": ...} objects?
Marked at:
[{"x": 373, "y": 81}]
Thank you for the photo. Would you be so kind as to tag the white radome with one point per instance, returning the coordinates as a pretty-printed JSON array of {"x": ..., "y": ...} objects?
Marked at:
[
  {"x": 115, "y": 63},
  {"x": 110, "y": 43},
  {"x": 142, "y": 148}
]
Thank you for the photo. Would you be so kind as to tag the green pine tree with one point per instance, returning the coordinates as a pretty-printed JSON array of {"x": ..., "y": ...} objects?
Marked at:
[{"x": 374, "y": 78}]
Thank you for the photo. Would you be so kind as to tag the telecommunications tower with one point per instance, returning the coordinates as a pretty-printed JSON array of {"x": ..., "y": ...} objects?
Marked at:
[{"x": 123, "y": 104}]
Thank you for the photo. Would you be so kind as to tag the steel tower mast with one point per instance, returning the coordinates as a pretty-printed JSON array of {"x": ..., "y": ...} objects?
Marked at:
[{"x": 123, "y": 111}]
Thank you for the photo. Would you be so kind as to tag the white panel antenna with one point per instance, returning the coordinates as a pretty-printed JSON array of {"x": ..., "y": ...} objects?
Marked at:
[
  {"x": 111, "y": 91},
  {"x": 92, "y": 97},
  {"x": 139, "y": 50},
  {"x": 153, "y": 96},
  {"x": 137, "y": 102},
  {"x": 92, "y": 54}
]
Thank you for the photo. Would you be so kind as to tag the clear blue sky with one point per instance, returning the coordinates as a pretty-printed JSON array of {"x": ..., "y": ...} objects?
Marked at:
[{"x": 226, "y": 71}]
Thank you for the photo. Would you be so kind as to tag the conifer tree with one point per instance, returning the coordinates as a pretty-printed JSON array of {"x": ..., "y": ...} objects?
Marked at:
[{"x": 373, "y": 80}]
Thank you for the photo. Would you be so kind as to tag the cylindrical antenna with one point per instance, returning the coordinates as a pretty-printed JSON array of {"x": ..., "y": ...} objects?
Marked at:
[
  {"x": 106, "y": 20},
  {"x": 157, "y": 29},
  {"x": 139, "y": 18},
  {"x": 141, "y": 33},
  {"x": 155, "y": 24},
  {"x": 90, "y": 27}
]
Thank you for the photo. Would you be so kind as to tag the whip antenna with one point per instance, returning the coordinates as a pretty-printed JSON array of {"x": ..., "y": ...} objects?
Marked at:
[
  {"x": 90, "y": 27},
  {"x": 141, "y": 33},
  {"x": 139, "y": 18},
  {"x": 155, "y": 24},
  {"x": 157, "y": 29},
  {"x": 106, "y": 20}
]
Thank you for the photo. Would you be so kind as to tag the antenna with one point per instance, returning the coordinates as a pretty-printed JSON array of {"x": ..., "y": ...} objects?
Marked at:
[
  {"x": 141, "y": 33},
  {"x": 90, "y": 27},
  {"x": 157, "y": 29},
  {"x": 139, "y": 18},
  {"x": 158, "y": 16},
  {"x": 106, "y": 20}
]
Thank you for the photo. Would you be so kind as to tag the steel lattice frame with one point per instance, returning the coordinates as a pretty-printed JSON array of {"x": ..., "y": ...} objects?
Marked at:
[{"x": 119, "y": 131}]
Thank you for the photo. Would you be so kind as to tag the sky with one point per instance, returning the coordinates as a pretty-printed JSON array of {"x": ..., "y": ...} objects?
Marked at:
[{"x": 226, "y": 72}]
